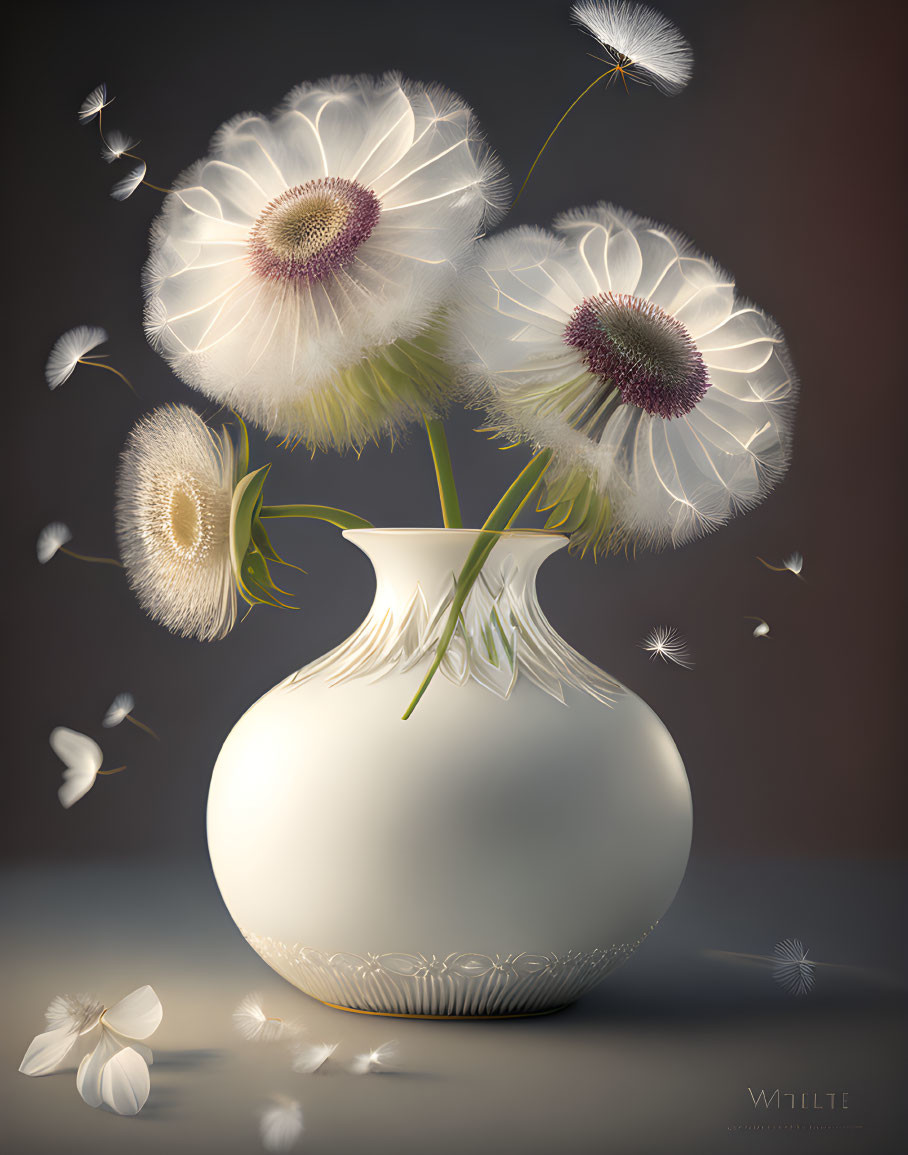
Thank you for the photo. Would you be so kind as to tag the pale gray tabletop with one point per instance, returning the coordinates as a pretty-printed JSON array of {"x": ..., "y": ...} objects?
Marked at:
[{"x": 657, "y": 1061}]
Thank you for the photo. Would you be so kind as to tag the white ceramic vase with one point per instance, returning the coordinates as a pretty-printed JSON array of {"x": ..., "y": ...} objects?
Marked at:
[{"x": 499, "y": 852}]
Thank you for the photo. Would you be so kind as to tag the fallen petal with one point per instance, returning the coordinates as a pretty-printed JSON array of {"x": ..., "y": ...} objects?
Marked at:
[
  {"x": 125, "y": 1082},
  {"x": 136, "y": 1016},
  {"x": 47, "y": 1051}
]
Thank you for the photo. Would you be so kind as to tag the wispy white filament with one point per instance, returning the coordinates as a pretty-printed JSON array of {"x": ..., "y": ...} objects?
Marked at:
[
  {"x": 311, "y": 1057},
  {"x": 174, "y": 491},
  {"x": 51, "y": 539},
  {"x": 638, "y": 35},
  {"x": 792, "y": 969},
  {"x": 69, "y": 350},
  {"x": 666, "y": 642},
  {"x": 253, "y": 1024}
]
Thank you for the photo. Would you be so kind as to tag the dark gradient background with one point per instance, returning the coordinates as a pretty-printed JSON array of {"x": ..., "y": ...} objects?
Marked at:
[{"x": 782, "y": 160}]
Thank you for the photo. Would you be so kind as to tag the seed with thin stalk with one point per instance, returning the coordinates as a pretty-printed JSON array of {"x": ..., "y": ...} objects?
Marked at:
[
  {"x": 52, "y": 540},
  {"x": 666, "y": 642},
  {"x": 74, "y": 348}
]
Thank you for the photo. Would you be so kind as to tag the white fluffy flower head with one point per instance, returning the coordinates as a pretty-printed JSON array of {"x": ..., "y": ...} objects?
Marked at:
[
  {"x": 297, "y": 272},
  {"x": 666, "y": 398},
  {"x": 174, "y": 490},
  {"x": 640, "y": 42}
]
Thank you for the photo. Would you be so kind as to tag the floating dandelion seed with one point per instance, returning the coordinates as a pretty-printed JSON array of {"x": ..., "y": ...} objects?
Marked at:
[
  {"x": 115, "y": 145},
  {"x": 374, "y": 1060},
  {"x": 51, "y": 540},
  {"x": 94, "y": 103},
  {"x": 115, "y": 1073},
  {"x": 83, "y": 759},
  {"x": 792, "y": 969},
  {"x": 640, "y": 44},
  {"x": 253, "y": 1024},
  {"x": 666, "y": 642},
  {"x": 281, "y": 1124},
  {"x": 311, "y": 1057},
  {"x": 71, "y": 350},
  {"x": 127, "y": 185},
  {"x": 120, "y": 710},
  {"x": 794, "y": 563},
  {"x": 761, "y": 629}
]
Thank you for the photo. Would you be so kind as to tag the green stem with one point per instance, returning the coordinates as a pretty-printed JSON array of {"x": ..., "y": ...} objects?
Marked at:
[
  {"x": 500, "y": 519},
  {"x": 444, "y": 472},
  {"x": 338, "y": 517}
]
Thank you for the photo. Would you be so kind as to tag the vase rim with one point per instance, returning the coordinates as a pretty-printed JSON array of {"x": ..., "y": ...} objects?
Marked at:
[{"x": 408, "y": 529}]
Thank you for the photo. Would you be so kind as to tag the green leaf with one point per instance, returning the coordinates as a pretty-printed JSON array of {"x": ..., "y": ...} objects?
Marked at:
[
  {"x": 243, "y": 509},
  {"x": 242, "y": 449}
]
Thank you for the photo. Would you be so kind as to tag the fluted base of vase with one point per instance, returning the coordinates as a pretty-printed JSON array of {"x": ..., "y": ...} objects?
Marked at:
[{"x": 454, "y": 986}]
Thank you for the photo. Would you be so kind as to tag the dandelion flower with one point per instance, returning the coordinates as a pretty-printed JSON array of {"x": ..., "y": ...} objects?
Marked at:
[
  {"x": 666, "y": 642},
  {"x": 51, "y": 540},
  {"x": 792, "y": 969},
  {"x": 127, "y": 185},
  {"x": 94, "y": 103},
  {"x": 281, "y": 1124},
  {"x": 174, "y": 491},
  {"x": 639, "y": 42},
  {"x": 253, "y": 1024},
  {"x": 665, "y": 398},
  {"x": 374, "y": 1060},
  {"x": 115, "y": 1073},
  {"x": 82, "y": 757},
  {"x": 297, "y": 273},
  {"x": 311, "y": 1057},
  {"x": 115, "y": 144}
]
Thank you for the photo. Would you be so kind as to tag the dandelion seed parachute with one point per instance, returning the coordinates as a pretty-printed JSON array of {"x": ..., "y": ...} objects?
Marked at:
[
  {"x": 311, "y": 1057},
  {"x": 281, "y": 1124},
  {"x": 120, "y": 709},
  {"x": 93, "y": 103},
  {"x": 173, "y": 497},
  {"x": 127, "y": 185},
  {"x": 51, "y": 540},
  {"x": 792, "y": 969},
  {"x": 297, "y": 273},
  {"x": 666, "y": 642},
  {"x": 665, "y": 397},
  {"x": 373, "y": 1060},
  {"x": 253, "y": 1024},
  {"x": 115, "y": 144},
  {"x": 644, "y": 43},
  {"x": 68, "y": 351}
]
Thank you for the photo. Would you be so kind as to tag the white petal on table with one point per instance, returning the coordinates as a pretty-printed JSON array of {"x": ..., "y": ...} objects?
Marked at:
[
  {"x": 136, "y": 1016},
  {"x": 88, "y": 1077},
  {"x": 47, "y": 1051},
  {"x": 125, "y": 1082}
]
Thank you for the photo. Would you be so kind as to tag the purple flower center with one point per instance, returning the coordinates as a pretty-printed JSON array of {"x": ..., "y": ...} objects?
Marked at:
[
  {"x": 313, "y": 230},
  {"x": 633, "y": 346}
]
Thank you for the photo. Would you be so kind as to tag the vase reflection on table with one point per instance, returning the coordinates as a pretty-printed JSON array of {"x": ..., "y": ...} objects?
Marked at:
[{"x": 498, "y": 853}]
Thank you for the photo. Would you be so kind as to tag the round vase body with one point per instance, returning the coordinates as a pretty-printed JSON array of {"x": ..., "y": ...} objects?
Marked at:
[{"x": 496, "y": 854}]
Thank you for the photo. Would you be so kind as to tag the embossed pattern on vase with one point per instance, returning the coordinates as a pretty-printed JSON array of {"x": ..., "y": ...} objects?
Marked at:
[
  {"x": 502, "y": 633},
  {"x": 454, "y": 984}
]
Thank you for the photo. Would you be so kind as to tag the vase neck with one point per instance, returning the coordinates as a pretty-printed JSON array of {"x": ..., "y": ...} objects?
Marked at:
[
  {"x": 501, "y": 634},
  {"x": 431, "y": 559}
]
